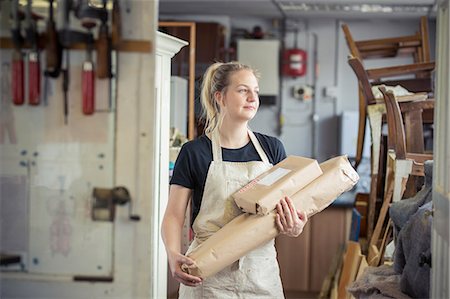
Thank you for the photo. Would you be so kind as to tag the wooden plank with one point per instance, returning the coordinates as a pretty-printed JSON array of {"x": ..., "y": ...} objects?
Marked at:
[
  {"x": 140, "y": 46},
  {"x": 411, "y": 40},
  {"x": 333, "y": 275},
  {"x": 352, "y": 259},
  {"x": 378, "y": 73}
]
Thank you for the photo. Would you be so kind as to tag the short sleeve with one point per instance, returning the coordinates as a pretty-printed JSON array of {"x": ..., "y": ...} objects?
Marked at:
[
  {"x": 182, "y": 171},
  {"x": 280, "y": 152}
]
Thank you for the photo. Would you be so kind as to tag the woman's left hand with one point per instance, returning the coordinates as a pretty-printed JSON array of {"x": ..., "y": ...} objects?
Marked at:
[{"x": 290, "y": 221}]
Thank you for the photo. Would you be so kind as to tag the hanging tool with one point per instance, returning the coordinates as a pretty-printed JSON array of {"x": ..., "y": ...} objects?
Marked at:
[
  {"x": 104, "y": 47},
  {"x": 17, "y": 76},
  {"x": 52, "y": 47},
  {"x": 88, "y": 75},
  {"x": 86, "y": 11},
  {"x": 65, "y": 42},
  {"x": 34, "y": 67},
  {"x": 88, "y": 14},
  {"x": 53, "y": 51},
  {"x": 116, "y": 25},
  {"x": 67, "y": 38},
  {"x": 116, "y": 39}
]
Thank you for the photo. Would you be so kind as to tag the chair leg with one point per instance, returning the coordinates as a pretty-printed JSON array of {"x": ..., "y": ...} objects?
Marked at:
[
  {"x": 374, "y": 252},
  {"x": 361, "y": 129},
  {"x": 375, "y": 116},
  {"x": 386, "y": 236},
  {"x": 371, "y": 205}
]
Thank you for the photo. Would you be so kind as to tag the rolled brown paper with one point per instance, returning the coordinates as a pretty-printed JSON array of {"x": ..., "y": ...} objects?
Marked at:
[
  {"x": 261, "y": 195},
  {"x": 248, "y": 231}
]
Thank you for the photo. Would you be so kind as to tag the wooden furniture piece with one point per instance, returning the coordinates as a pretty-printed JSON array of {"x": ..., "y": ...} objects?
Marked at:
[
  {"x": 401, "y": 163},
  {"x": 374, "y": 108},
  {"x": 192, "y": 50},
  {"x": 351, "y": 264},
  {"x": 416, "y": 45}
]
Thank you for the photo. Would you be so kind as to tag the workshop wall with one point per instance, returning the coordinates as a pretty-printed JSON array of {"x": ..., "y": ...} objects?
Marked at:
[{"x": 308, "y": 128}]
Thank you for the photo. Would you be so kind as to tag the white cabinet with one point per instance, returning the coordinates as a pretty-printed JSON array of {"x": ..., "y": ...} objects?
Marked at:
[{"x": 166, "y": 47}]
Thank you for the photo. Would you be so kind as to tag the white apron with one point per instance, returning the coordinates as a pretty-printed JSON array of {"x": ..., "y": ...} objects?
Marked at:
[{"x": 256, "y": 275}]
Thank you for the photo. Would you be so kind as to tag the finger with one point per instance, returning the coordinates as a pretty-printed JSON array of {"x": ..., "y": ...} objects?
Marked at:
[
  {"x": 281, "y": 214},
  {"x": 294, "y": 214},
  {"x": 287, "y": 213},
  {"x": 187, "y": 279},
  {"x": 187, "y": 276},
  {"x": 279, "y": 225},
  {"x": 302, "y": 215},
  {"x": 185, "y": 260},
  {"x": 291, "y": 206},
  {"x": 188, "y": 283}
]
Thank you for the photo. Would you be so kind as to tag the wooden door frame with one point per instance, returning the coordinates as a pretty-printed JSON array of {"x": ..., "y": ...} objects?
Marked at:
[{"x": 192, "y": 45}]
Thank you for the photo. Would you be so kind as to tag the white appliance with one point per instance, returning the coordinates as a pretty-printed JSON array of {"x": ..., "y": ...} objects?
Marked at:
[
  {"x": 179, "y": 103},
  {"x": 349, "y": 134},
  {"x": 262, "y": 55}
]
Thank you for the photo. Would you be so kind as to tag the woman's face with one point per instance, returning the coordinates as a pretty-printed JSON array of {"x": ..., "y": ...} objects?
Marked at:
[{"x": 240, "y": 101}]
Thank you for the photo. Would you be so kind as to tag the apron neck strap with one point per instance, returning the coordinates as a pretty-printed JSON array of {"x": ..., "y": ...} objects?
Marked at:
[
  {"x": 217, "y": 149},
  {"x": 258, "y": 147}
]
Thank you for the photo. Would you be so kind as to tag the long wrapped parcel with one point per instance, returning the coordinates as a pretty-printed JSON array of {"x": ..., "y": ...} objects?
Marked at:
[
  {"x": 249, "y": 231},
  {"x": 261, "y": 195}
]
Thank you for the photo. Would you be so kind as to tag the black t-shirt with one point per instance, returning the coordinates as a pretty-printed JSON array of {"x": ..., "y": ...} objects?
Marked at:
[{"x": 192, "y": 164}]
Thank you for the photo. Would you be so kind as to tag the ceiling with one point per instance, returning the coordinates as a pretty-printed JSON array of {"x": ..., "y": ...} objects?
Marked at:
[{"x": 301, "y": 8}]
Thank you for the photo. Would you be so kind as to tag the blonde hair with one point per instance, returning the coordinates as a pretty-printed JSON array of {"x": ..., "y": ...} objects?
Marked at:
[{"x": 216, "y": 79}]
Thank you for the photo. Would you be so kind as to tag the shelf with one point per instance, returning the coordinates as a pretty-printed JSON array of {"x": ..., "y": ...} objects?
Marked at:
[{"x": 140, "y": 46}]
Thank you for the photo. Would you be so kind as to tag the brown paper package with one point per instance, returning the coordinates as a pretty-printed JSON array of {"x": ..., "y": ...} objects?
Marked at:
[
  {"x": 249, "y": 231},
  {"x": 262, "y": 194}
]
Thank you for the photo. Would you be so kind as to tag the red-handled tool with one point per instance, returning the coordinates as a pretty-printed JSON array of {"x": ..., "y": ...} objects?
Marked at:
[
  {"x": 88, "y": 88},
  {"x": 17, "y": 70},
  {"x": 88, "y": 72},
  {"x": 17, "y": 78}
]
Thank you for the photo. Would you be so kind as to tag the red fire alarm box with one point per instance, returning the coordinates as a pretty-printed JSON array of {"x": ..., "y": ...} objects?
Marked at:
[{"x": 294, "y": 62}]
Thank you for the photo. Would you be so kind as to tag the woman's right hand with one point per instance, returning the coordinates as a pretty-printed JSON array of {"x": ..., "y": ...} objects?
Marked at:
[{"x": 175, "y": 261}]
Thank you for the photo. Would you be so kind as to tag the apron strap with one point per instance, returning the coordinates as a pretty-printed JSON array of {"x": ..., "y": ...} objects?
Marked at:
[
  {"x": 217, "y": 149},
  {"x": 258, "y": 147}
]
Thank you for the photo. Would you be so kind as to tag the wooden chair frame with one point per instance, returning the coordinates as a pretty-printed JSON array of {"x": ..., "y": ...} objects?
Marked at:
[
  {"x": 400, "y": 163},
  {"x": 374, "y": 109},
  {"x": 417, "y": 45}
]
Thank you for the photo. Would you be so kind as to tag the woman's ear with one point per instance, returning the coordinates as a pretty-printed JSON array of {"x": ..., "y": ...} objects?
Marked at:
[{"x": 218, "y": 97}]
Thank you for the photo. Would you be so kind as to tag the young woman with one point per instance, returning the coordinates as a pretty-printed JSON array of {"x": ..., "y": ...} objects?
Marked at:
[{"x": 210, "y": 169}]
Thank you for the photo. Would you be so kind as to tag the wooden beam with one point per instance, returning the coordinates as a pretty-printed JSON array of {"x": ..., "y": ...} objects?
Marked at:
[
  {"x": 378, "y": 73},
  {"x": 140, "y": 46}
]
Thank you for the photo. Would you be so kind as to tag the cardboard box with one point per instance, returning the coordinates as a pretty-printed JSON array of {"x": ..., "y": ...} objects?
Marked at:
[
  {"x": 249, "y": 231},
  {"x": 261, "y": 195}
]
